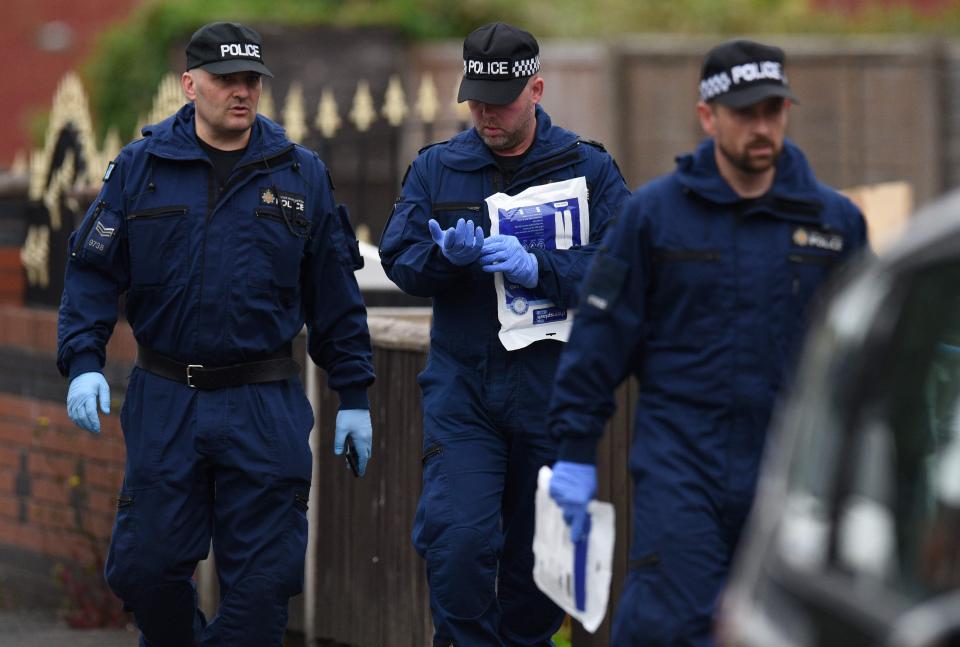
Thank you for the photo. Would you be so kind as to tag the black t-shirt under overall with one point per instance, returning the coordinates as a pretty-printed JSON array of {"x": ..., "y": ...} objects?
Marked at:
[{"x": 223, "y": 162}]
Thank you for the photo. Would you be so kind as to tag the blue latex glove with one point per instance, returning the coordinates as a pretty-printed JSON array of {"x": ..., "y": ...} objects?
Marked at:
[
  {"x": 506, "y": 254},
  {"x": 356, "y": 424},
  {"x": 461, "y": 244},
  {"x": 572, "y": 486},
  {"x": 82, "y": 400}
]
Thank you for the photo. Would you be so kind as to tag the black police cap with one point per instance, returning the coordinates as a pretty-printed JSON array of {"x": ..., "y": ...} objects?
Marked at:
[
  {"x": 225, "y": 48},
  {"x": 498, "y": 59},
  {"x": 739, "y": 73}
]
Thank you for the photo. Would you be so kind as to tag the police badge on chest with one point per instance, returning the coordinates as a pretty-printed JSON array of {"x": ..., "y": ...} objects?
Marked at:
[{"x": 278, "y": 198}]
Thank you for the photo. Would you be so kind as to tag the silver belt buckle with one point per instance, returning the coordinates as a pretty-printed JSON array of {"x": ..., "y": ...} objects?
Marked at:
[{"x": 190, "y": 377}]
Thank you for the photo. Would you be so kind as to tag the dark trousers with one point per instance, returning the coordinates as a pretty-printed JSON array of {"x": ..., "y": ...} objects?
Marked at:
[
  {"x": 231, "y": 465},
  {"x": 679, "y": 561},
  {"x": 475, "y": 518}
]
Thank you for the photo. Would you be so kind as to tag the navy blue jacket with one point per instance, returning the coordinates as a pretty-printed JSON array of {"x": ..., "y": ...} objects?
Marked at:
[
  {"x": 702, "y": 295},
  {"x": 217, "y": 279},
  {"x": 451, "y": 180}
]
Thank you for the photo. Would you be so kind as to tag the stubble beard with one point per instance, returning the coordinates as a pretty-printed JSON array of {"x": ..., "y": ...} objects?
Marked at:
[
  {"x": 508, "y": 140},
  {"x": 745, "y": 163}
]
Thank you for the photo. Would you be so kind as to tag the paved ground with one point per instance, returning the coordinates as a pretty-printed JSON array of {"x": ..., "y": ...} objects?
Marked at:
[{"x": 43, "y": 629}]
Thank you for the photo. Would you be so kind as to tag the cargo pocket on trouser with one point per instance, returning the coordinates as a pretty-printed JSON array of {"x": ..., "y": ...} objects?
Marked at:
[
  {"x": 121, "y": 570},
  {"x": 461, "y": 563},
  {"x": 643, "y": 614},
  {"x": 462, "y": 573}
]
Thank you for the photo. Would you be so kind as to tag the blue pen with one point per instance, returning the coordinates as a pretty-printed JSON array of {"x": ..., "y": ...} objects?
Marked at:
[{"x": 580, "y": 567}]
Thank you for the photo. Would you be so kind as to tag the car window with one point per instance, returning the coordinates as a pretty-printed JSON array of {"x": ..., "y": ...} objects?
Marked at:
[
  {"x": 803, "y": 534},
  {"x": 898, "y": 511}
]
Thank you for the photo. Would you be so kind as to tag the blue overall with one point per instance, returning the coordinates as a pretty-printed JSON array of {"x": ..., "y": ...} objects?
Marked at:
[
  {"x": 703, "y": 297},
  {"x": 214, "y": 277},
  {"x": 484, "y": 437}
]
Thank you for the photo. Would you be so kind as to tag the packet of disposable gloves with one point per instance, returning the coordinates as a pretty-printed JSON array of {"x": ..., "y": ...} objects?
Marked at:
[
  {"x": 575, "y": 576},
  {"x": 548, "y": 216}
]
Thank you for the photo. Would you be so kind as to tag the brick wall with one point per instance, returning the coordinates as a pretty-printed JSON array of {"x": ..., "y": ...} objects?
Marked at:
[
  {"x": 32, "y": 71},
  {"x": 58, "y": 484},
  {"x": 12, "y": 284}
]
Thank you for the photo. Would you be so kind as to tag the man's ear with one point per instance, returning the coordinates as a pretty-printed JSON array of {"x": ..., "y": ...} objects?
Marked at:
[
  {"x": 536, "y": 89},
  {"x": 707, "y": 118},
  {"x": 188, "y": 84}
]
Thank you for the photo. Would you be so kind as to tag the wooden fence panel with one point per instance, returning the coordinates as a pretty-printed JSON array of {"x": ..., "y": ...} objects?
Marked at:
[{"x": 372, "y": 588}]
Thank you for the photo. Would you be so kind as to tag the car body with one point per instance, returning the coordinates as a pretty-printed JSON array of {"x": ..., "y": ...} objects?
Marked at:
[{"x": 854, "y": 538}]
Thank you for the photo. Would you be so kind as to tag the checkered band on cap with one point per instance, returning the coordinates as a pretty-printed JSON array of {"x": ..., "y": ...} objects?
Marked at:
[{"x": 526, "y": 67}]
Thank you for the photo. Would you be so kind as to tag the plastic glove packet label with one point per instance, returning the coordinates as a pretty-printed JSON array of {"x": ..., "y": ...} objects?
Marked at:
[
  {"x": 575, "y": 576},
  {"x": 549, "y": 217}
]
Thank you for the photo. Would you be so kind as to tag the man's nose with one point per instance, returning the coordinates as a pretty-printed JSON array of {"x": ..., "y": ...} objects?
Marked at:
[{"x": 762, "y": 124}]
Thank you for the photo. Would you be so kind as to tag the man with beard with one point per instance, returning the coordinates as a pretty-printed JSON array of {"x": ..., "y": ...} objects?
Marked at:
[
  {"x": 484, "y": 408},
  {"x": 700, "y": 290},
  {"x": 225, "y": 238}
]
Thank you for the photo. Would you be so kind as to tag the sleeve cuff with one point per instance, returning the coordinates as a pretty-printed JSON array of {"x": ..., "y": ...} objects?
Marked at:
[
  {"x": 578, "y": 450},
  {"x": 354, "y": 399},
  {"x": 84, "y": 363}
]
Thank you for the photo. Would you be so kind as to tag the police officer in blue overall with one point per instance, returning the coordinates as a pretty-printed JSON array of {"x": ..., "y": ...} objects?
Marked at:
[
  {"x": 700, "y": 290},
  {"x": 484, "y": 432},
  {"x": 225, "y": 239}
]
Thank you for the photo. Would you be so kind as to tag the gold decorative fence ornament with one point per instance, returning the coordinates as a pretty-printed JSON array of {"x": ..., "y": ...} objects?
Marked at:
[
  {"x": 428, "y": 104},
  {"x": 35, "y": 255},
  {"x": 58, "y": 190},
  {"x": 111, "y": 148},
  {"x": 168, "y": 100},
  {"x": 328, "y": 121},
  {"x": 394, "y": 104},
  {"x": 295, "y": 113},
  {"x": 69, "y": 108},
  {"x": 363, "y": 114}
]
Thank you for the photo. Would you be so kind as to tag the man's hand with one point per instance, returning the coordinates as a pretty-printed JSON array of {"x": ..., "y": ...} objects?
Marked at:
[
  {"x": 82, "y": 400},
  {"x": 356, "y": 424},
  {"x": 461, "y": 244},
  {"x": 572, "y": 486},
  {"x": 505, "y": 254}
]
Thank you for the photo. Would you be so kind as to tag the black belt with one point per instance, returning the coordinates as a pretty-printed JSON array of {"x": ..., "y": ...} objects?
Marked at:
[{"x": 276, "y": 366}]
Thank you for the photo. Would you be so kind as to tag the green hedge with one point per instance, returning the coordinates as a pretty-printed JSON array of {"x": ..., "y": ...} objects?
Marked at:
[{"x": 131, "y": 56}]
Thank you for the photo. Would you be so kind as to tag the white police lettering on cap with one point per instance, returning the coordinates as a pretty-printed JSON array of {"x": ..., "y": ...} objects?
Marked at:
[
  {"x": 239, "y": 49},
  {"x": 744, "y": 73},
  {"x": 491, "y": 68},
  {"x": 748, "y": 72}
]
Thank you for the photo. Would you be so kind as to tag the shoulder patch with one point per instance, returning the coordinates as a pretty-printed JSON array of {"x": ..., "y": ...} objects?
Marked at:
[
  {"x": 432, "y": 145},
  {"x": 109, "y": 171},
  {"x": 594, "y": 143},
  {"x": 604, "y": 281}
]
